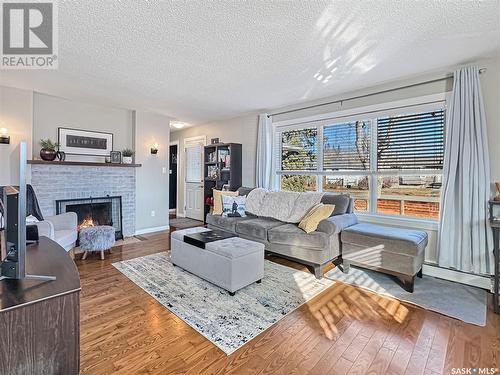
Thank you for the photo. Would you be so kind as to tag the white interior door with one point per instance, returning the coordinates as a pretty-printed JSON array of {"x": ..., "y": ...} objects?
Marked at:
[{"x": 194, "y": 178}]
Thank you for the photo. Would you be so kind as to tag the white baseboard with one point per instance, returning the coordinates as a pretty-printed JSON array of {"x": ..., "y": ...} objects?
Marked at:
[
  {"x": 151, "y": 230},
  {"x": 180, "y": 214},
  {"x": 459, "y": 277},
  {"x": 172, "y": 211}
]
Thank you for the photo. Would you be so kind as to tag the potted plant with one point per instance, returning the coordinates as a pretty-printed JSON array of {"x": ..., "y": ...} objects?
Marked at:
[
  {"x": 127, "y": 156},
  {"x": 48, "y": 151}
]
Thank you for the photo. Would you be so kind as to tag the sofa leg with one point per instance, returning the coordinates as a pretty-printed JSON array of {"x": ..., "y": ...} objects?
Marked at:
[
  {"x": 318, "y": 271},
  {"x": 259, "y": 281},
  {"x": 345, "y": 267},
  {"x": 84, "y": 255},
  {"x": 337, "y": 261},
  {"x": 408, "y": 283},
  {"x": 232, "y": 294},
  {"x": 420, "y": 274}
]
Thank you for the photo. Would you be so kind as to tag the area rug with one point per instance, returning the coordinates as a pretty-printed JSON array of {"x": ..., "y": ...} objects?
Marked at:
[
  {"x": 228, "y": 322},
  {"x": 456, "y": 300},
  {"x": 184, "y": 222}
]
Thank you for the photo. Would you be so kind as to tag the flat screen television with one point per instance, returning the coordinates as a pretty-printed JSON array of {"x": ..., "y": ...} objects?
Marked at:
[
  {"x": 13, "y": 227},
  {"x": 13, "y": 234}
]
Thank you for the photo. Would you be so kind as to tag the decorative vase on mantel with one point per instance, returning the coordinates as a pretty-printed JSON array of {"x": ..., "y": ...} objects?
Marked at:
[
  {"x": 48, "y": 155},
  {"x": 48, "y": 151}
]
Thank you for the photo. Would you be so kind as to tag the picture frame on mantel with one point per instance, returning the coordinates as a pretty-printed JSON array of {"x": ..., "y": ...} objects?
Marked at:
[
  {"x": 84, "y": 142},
  {"x": 115, "y": 157}
]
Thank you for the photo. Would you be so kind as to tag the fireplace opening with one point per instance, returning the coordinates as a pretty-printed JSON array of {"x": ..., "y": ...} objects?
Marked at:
[{"x": 95, "y": 211}]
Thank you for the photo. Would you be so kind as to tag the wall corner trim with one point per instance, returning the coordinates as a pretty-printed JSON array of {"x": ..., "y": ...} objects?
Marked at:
[{"x": 151, "y": 230}]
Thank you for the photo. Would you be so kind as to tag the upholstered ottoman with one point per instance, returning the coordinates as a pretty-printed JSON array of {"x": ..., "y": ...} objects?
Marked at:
[
  {"x": 98, "y": 238},
  {"x": 231, "y": 263},
  {"x": 396, "y": 251}
]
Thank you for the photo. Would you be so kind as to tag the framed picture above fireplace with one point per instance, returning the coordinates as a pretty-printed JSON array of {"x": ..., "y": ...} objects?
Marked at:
[{"x": 84, "y": 142}]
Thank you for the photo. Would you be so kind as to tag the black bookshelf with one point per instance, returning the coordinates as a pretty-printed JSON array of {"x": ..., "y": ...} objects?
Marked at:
[{"x": 221, "y": 167}]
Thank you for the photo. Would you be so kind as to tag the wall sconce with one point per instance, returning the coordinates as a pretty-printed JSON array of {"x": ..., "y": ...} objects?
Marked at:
[
  {"x": 4, "y": 138},
  {"x": 154, "y": 149}
]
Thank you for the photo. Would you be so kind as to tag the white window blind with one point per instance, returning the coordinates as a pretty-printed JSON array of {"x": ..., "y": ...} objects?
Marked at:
[
  {"x": 414, "y": 141},
  {"x": 346, "y": 146},
  {"x": 193, "y": 163},
  {"x": 299, "y": 150}
]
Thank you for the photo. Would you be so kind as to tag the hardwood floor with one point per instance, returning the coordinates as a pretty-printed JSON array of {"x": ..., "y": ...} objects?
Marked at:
[{"x": 344, "y": 330}]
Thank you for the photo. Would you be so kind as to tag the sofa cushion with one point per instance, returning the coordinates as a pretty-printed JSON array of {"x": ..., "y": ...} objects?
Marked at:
[
  {"x": 291, "y": 234},
  {"x": 244, "y": 190},
  {"x": 396, "y": 240},
  {"x": 256, "y": 228},
  {"x": 340, "y": 201},
  {"x": 233, "y": 206},
  {"x": 319, "y": 212},
  {"x": 218, "y": 196},
  {"x": 226, "y": 223}
]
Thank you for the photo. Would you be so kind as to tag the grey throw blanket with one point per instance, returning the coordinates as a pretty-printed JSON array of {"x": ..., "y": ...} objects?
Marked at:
[
  {"x": 32, "y": 207},
  {"x": 286, "y": 206}
]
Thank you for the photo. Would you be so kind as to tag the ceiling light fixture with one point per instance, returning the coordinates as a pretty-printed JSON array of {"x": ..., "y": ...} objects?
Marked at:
[{"x": 178, "y": 124}]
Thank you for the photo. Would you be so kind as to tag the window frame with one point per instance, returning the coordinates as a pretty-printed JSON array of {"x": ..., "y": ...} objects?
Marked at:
[{"x": 366, "y": 113}]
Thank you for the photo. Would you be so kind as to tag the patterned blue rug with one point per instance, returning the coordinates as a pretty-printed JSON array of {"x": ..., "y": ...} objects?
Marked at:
[{"x": 228, "y": 322}]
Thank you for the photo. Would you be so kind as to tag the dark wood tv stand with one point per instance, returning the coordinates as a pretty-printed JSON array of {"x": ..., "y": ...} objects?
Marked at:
[{"x": 40, "y": 321}]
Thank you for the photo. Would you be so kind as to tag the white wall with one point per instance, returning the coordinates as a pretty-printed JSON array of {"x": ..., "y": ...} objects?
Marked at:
[
  {"x": 16, "y": 114},
  {"x": 51, "y": 112},
  {"x": 238, "y": 130},
  {"x": 152, "y": 178}
]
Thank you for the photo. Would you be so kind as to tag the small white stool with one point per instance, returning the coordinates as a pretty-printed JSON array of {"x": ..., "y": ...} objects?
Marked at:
[{"x": 98, "y": 238}]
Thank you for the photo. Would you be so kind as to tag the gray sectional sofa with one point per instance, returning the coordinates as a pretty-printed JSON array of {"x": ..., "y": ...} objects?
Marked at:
[{"x": 315, "y": 249}]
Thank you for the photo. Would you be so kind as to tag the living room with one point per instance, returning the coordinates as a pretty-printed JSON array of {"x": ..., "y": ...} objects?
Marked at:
[{"x": 278, "y": 187}]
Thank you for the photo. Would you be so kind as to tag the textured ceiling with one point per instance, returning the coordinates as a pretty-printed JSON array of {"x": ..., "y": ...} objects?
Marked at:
[{"x": 199, "y": 61}]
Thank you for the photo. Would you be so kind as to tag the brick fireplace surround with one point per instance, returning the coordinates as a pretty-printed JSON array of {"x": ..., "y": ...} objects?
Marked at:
[{"x": 52, "y": 182}]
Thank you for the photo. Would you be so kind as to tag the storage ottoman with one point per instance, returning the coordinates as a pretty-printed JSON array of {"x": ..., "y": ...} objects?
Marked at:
[
  {"x": 396, "y": 251},
  {"x": 231, "y": 263}
]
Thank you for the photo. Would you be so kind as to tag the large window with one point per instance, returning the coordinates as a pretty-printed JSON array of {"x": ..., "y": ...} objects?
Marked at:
[{"x": 389, "y": 162}]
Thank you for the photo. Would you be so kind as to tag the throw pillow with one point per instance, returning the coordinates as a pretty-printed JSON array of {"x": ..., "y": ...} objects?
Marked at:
[
  {"x": 218, "y": 200},
  {"x": 233, "y": 206},
  {"x": 319, "y": 212}
]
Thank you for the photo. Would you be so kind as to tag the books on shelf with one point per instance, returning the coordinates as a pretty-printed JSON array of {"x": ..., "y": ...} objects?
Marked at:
[
  {"x": 212, "y": 172},
  {"x": 222, "y": 155},
  {"x": 212, "y": 157}
]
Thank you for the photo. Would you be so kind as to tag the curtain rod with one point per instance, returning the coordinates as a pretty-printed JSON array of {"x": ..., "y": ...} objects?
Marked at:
[{"x": 481, "y": 71}]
